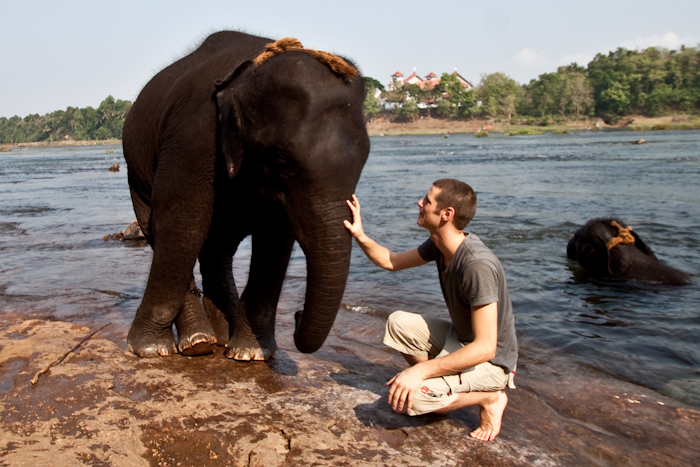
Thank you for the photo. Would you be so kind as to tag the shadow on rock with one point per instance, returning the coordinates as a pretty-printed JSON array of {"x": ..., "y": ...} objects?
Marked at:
[
  {"x": 282, "y": 364},
  {"x": 379, "y": 415}
]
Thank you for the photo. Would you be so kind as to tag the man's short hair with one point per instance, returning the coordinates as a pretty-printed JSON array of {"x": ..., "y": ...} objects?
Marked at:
[{"x": 459, "y": 196}]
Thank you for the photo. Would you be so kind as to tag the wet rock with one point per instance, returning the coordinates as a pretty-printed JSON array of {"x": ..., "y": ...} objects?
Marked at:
[
  {"x": 104, "y": 406},
  {"x": 114, "y": 167},
  {"x": 639, "y": 141},
  {"x": 132, "y": 233}
]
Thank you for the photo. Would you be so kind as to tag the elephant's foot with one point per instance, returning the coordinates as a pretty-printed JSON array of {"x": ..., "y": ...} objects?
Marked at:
[
  {"x": 217, "y": 320},
  {"x": 197, "y": 344},
  {"x": 151, "y": 343},
  {"x": 195, "y": 334},
  {"x": 250, "y": 351},
  {"x": 245, "y": 345}
]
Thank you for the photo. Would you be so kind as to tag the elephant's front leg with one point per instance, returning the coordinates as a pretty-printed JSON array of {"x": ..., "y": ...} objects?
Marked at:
[
  {"x": 254, "y": 332},
  {"x": 180, "y": 221}
]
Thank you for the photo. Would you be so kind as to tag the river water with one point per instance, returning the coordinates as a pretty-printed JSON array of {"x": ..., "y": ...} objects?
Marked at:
[{"x": 56, "y": 204}]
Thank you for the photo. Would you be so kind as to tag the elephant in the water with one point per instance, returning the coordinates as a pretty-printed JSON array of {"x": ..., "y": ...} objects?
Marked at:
[
  {"x": 607, "y": 247},
  {"x": 243, "y": 137}
]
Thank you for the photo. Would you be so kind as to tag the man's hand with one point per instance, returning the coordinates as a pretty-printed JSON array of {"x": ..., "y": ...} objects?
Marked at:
[
  {"x": 355, "y": 227},
  {"x": 403, "y": 386}
]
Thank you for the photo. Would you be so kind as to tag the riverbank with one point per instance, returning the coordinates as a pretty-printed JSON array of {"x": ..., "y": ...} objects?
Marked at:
[
  {"x": 427, "y": 126},
  {"x": 62, "y": 143},
  {"x": 437, "y": 126}
]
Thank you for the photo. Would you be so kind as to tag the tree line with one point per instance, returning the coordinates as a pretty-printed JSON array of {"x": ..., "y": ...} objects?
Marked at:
[
  {"x": 651, "y": 82},
  {"x": 105, "y": 122}
]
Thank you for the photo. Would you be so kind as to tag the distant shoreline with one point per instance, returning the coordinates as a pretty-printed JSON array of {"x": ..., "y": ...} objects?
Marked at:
[
  {"x": 68, "y": 142},
  {"x": 428, "y": 126},
  {"x": 436, "y": 126}
]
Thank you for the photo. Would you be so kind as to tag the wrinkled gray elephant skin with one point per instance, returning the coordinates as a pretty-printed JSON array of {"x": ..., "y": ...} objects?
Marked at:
[
  {"x": 610, "y": 248},
  {"x": 243, "y": 137}
]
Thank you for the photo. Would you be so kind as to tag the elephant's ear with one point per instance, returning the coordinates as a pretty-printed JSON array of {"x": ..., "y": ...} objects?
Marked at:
[
  {"x": 228, "y": 127},
  {"x": 641, "y": 246},
  {"x": 593, "y": 254}
]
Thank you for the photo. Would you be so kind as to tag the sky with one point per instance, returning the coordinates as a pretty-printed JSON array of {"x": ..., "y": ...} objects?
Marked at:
[{"x": 56, "y": 54}]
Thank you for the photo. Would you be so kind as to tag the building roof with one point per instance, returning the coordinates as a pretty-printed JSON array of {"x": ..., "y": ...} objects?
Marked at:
[{"x": 431, "y": 80}]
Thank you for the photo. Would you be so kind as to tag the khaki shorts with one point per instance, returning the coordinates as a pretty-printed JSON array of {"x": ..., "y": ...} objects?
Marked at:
[{"x": 422, "y": 336}]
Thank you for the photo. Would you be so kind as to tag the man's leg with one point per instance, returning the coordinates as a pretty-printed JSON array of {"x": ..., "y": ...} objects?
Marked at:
[
  {"x": 416, "y": 337},
  {"x": 491, "y": 405},
  {"x": 420, "y": 338}
]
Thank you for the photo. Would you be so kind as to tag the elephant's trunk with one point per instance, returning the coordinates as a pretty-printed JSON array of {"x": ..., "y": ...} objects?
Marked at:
[{"x": 327, "y": 246}]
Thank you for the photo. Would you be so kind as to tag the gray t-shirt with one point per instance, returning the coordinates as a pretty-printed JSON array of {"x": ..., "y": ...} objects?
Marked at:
[{"x": 475, "y": 277}]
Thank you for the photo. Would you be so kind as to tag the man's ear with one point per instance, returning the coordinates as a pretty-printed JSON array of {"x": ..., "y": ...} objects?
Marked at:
[{"x": 448, "y": 214}]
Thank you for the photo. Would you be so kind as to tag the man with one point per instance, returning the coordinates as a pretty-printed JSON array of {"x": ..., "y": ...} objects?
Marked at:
[{"x": 470, "y": 360}]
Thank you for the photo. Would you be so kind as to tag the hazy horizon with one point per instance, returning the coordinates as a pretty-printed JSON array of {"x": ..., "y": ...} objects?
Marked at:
[{"x": 77, "y": 53}]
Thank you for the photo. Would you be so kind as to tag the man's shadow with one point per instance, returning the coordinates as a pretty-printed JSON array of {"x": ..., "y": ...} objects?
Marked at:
[{"x": 372, "y": 377}]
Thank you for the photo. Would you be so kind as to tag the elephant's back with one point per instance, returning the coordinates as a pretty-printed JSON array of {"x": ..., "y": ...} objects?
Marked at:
[{"x": 185, "y": 86}]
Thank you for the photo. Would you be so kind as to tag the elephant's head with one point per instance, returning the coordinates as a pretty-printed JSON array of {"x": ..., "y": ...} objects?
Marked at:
[
  {"x": 608, "y": 247},
  {"x": 294, "y": 119},
  {"x": 591, "y": 244}
]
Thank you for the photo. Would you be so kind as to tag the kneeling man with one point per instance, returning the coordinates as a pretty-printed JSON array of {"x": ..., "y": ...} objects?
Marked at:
[{"x": 472, "y": 358}]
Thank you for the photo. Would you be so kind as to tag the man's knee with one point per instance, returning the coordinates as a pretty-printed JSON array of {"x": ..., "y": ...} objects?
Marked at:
[
  {"x": 404, "y": 333},
  {"x": 396, "y": 323}
]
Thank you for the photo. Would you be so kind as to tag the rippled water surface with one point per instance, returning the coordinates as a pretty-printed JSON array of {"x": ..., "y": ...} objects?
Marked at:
[{"x": 56, "y": 204}]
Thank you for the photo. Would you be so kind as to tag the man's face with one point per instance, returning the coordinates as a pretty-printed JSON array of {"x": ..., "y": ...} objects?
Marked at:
[{"x": 429, "y": 214}]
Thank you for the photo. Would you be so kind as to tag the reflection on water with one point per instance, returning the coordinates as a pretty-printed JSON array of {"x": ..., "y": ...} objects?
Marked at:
[{"x": 534, "y": 192}]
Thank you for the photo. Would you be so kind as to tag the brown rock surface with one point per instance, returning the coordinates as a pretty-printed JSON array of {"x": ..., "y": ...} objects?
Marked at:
[{"x": 104, "y": 406}]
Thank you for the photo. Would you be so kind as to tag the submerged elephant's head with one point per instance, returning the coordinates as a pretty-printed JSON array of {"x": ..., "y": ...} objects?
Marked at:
[
  {"x": 295, "y": 122},
  {"x": 608, "y": 247}
]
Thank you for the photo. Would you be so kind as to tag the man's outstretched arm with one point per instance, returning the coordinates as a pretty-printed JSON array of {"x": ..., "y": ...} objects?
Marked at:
[{"x": 380, "y": 255}]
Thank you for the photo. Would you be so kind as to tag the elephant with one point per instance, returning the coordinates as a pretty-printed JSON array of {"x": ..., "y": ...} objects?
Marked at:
[
  {"x": 607, "y": 247},
  {"x": 244, "y": 136}
]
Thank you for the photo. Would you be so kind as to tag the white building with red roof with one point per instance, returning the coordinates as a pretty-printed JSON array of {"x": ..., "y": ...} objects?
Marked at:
[{"x": 431, "y": 80}]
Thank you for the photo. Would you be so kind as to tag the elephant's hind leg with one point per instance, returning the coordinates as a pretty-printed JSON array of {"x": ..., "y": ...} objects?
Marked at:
[
  {"x": 220, "y": 297},
  {"x": 195, "y": 334}
]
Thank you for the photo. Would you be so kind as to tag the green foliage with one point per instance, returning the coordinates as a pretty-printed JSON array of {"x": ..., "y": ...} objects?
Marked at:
[
  {"x": 107, "y": 122},
  {"x": 651, "y": 82},
  {"x": 525, "y": 132},
  {"x": 565, "y": 93},
  {"x": 499, "y": 95},
  {"x": 372, "y": 84},
  {"x": 452, "y": 98},
  {"x": 481, "y": 134},
  {"x": 371, "y": 104},
  {"x": 408, "y": 111}
]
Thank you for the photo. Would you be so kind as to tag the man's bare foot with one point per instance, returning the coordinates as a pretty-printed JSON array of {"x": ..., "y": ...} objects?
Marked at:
[{"x": 491, "y": 416}]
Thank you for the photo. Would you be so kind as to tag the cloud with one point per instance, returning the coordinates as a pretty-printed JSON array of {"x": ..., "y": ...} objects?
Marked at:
[
  {"x": 670, "y": 40},
  {"x": 527, "y": 57}
]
